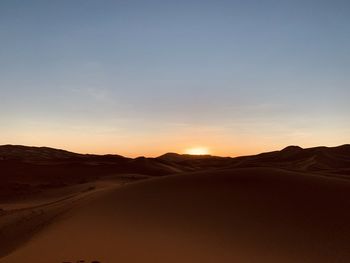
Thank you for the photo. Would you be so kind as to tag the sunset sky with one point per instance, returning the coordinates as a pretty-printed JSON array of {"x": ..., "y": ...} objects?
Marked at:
[{"x": 149, "y": 77}]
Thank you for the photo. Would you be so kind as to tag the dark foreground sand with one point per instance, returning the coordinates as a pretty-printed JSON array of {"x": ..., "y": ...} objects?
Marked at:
[{"x": 251, "y": 215}]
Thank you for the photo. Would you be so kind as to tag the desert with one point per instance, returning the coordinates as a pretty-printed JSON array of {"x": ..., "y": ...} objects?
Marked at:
[{"x": 199, "y": 209}]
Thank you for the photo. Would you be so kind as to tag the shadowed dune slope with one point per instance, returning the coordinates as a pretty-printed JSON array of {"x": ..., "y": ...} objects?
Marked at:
[
  {"x": 327, "y": 160},
  {"x": 28, "y": 153},
  {"x": 248, "y": 215},
  {"x": 29, "y": 170}
]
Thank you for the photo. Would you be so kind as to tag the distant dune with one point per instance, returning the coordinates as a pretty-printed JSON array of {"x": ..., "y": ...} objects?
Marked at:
[{"x": 286, "y": 206}]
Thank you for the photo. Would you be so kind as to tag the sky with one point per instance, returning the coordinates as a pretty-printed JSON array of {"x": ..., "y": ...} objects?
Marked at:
[{"x": 148, "y": 77}]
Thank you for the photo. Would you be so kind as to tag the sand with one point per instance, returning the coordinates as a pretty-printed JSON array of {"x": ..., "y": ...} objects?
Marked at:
[{"x": 246, "y": 215}]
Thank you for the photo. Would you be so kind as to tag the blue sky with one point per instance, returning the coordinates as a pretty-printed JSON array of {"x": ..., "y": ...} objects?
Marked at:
[{"x": 144, "y": 77}]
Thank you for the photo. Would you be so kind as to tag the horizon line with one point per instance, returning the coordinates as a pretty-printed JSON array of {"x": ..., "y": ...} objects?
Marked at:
[{"x": 170, "y": 152}]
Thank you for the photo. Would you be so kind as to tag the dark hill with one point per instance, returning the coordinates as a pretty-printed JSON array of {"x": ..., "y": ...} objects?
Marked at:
[
  {"x": 332, "y": 159},
  {"x": 27, "y": 153},
  {"x": 21, "y": 166}
]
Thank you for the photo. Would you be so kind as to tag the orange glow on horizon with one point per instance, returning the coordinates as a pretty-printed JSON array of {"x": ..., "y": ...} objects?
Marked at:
[{"x": 197, "y": 151}]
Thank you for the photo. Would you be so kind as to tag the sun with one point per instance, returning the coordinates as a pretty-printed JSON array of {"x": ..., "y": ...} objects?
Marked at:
[{"x": 197, "y": 151}]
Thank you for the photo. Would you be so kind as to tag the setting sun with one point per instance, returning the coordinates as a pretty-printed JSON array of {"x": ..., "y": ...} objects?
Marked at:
[{"x": 197, "y": 151}]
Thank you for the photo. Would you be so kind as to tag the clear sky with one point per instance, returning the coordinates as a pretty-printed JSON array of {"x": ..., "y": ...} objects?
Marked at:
[{"x": 147, "y": 77}]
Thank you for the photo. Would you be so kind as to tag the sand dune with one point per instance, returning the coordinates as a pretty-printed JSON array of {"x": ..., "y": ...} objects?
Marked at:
[{"x": 238, "y": 215}]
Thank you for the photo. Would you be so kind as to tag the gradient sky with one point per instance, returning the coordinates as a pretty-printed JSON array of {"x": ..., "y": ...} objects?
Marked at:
[{"x": 148, "y": 77}]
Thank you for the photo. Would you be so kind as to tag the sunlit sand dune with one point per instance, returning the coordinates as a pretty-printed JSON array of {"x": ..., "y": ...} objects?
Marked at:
[{"x": 243, "y": 215}]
